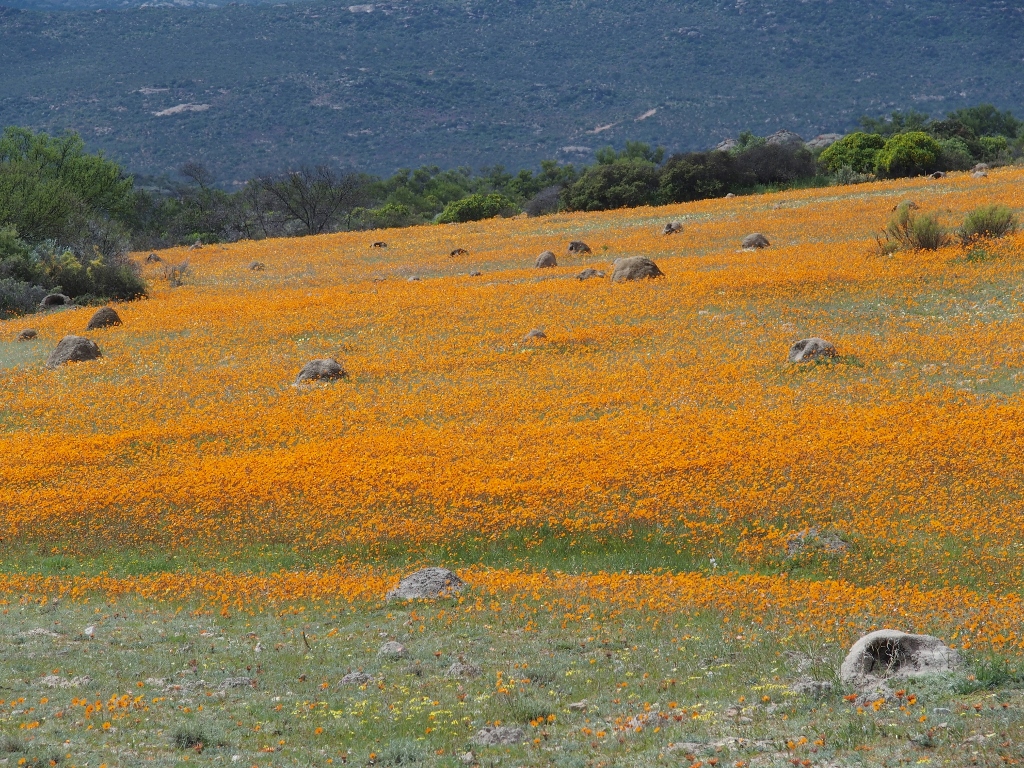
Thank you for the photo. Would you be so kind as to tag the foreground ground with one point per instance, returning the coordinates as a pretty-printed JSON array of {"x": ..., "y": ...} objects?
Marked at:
[{"x": 651, "y": 489}]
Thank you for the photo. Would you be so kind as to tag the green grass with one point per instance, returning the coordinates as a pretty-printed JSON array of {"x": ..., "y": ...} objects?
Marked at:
[{"x": 712, "y": 680}]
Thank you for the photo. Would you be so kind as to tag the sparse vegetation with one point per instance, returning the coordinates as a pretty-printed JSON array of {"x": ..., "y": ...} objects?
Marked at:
[
  {"x": 989, "y": 221},
  {"x": 911, "y": 231}
]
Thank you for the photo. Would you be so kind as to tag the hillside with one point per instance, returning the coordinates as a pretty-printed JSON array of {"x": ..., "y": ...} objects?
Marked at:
[{"x": 254, "y": 88}]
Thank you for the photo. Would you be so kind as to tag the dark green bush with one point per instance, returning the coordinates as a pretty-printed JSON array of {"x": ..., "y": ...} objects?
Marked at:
[
  {"x": 615, "y": 185},
  {"x": 908, "y": 231},
  {"x": 955, "y": 155},
  {"x": 857, "y": 151},
  {"x": 476, "y": 208},
  {"x": 776, "y": 163},
  {"x": 988, "y": 221},
  {"x": 700, "y": 175},
  {"x": 907, "y": 154}
]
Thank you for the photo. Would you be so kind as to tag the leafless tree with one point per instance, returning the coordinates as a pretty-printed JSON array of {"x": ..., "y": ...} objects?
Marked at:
[{"x": 314, "y": 197}]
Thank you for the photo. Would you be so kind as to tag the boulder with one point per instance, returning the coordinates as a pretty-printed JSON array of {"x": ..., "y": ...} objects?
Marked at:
[
  {"x": 889, "y": 653},
  {"x": 588, "y": 273},
  {"x": 54, "y": 300},
  {"x": 671, "y": 228},
  {"x": 823, "y": 140},
  {"x": 257, "y": 266},
  {"x": 73, "y": 349},
  {"x": 806, "y": 350},
  {"x": 392, "y": 650},
  {"x": 536, "y": 333},
  {"x": 726, "y": 145},
  {"x": 731, "y": 194},
  {"x": 153, "y": 259},
  {"x": 493, "y": 736},
  {"x": 427, "y": 584},
  {"x": 327, "y": 369},
  {"x": 104, "y": 317},
  {"x": 785, "y": 138},
  {"x": 938, "y": 175},
  {"x": 755, "y": 240},
  {"x": 27, "y": 335},
  {"x": 635, "y": 268},
  {"x": 545, "y": 260},
  {"x": 577, "y": 247}
]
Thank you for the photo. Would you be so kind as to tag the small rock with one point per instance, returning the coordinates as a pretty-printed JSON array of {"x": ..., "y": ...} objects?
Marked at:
[
  {"x": 379, "y": 244},
  {"x": 104, "y": 317},
  {"x": 73, "y": 349},
  {"x": 492, "y": 736},
  {"x": 808, "y": 687},
  {"x": 153, "y": 259},
  {"x": 545, "y": 261},
  {"x": 236, "y": 682},
  {"x": 755, "y": 240},
  {"x": 889, "y": 653},
  {"x": 588, "y": 273},
  {"x": 979, "y": 175},
  {"x": 327, "y": 369},
  {"x": 356, "y": 678},
  {"x": 468, "y": 758},
  {"x": 462, "y": 671},
  {"x": 938, "y": 175},
  {"x": 459, "y": 252},
  {"x": 257, "y": 266},
  {"x": 672, "y": 228},
  {"x": 579, "y": 706},
  {"x": 635, "y": 268},
  {"x": 196, "y": 245},
  {"x": 427, "y": 584},
  {"x": 27, "y": 335},
  {"x": 392, "y": 650},
  {"x": 731, "y": 194},
  {"x": 536, "y": 333},
  {"x": 475, "y": 273},
  {"x": 806, "y": 350},
  {"x": 577, "y": 247},
  {"x": 414, "y": 279},
  {"x": 89, "y": 632}
]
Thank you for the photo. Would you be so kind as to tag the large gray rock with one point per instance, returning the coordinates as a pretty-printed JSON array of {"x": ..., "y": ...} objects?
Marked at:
[
  {"x": 806, "y": 350},
  {"x": 104, "y": 317},
  {"x": 327, "y": 369},
  {"x": 27, "y": 335},
  {"x": 635, "y": 268},
  {"x": 755, "y": 240},
  {"x": 54, "y": 300},
  {"x": 823, "y": 140},
  {"x": 492, "y": 736},
  {"x": 427, "y": 584},
  {"x": 889, "y": 653},
  {"x": 672, "y": 228},
  {"x": 577, "y": 247},
  {"x": 785, "y": 138},
  {"x": 545, "y": 260},
  {"x": 73, "y": 349}
]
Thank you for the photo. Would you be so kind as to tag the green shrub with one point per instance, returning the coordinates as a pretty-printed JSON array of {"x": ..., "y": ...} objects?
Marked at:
[
  {"x": 624, "y": 184},
  {"x": 907, "y": 231},
  {"x": 857, "y": 151},
  {"x": 988, "y": 221},
  {"x": 846, "y": 175},
  {"x": 994, "y": 147},
  {"x": 907, "y": 154},
  {"x": 477, "y": 207},
  {"x": 955, "y": 155},
  {"x": 18, "y": 297},
  {"x": 700, "y": 175},
  {"x": 776, "y": 164}
]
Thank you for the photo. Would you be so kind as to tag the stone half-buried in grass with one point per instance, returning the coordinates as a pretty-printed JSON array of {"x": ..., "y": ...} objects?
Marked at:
[
  {"x": 545, "y": 261},
  {"x": 755, "y": 240},
  {"x": 889, "y": 653},
  {"x": 809, "y": 350},
  {"x": 104, "y": 317},
  {"x": 427, "y": 584},
  {"x": 327, "y": 369},
  {"x": 635, "y": 268},
  {"x": 73, "y": 349}
]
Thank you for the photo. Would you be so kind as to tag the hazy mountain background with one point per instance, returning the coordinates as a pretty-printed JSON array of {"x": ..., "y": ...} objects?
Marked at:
[{"x": 246, "y": 88}]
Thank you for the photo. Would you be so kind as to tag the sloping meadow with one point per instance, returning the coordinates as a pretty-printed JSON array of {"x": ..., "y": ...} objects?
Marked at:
[{"x": 657, "y": 417}]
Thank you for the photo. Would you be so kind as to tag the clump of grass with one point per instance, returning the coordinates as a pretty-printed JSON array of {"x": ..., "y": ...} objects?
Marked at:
[
  {"x": 989, "y": 222},
  {"x": 190, "y": 737},
  {"x": 989, "y": 673},
  {"x": 403, "y": 752},
  {"x": 908, "y": 231},
  {"x": 10, "y": 744},
  {"x": 525, "y": 706},
  {"x": 177, "y": 274}
]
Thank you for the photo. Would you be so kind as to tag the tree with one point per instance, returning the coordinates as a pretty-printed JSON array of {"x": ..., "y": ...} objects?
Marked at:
[
  {"x": 986, "y": 120},
  {"x": 897, "y": 122},
  {"x": 476, "y": 208},
  {"x": 907, "y": 154},
  {"x": 315, "y": 197},
  {"x": 855, "y": 151},
  {"x": 618, "y": 185},
  {"x": 700, "y": 175},
  {"x": 776, "y": 163}
]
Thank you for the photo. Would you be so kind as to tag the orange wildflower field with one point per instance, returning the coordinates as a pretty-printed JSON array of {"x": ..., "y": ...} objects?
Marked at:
[{"x": 659, "y": 419}]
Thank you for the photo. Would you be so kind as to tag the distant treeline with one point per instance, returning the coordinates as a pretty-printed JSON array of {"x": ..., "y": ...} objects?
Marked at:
[{"x": 68, "y": 218}]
